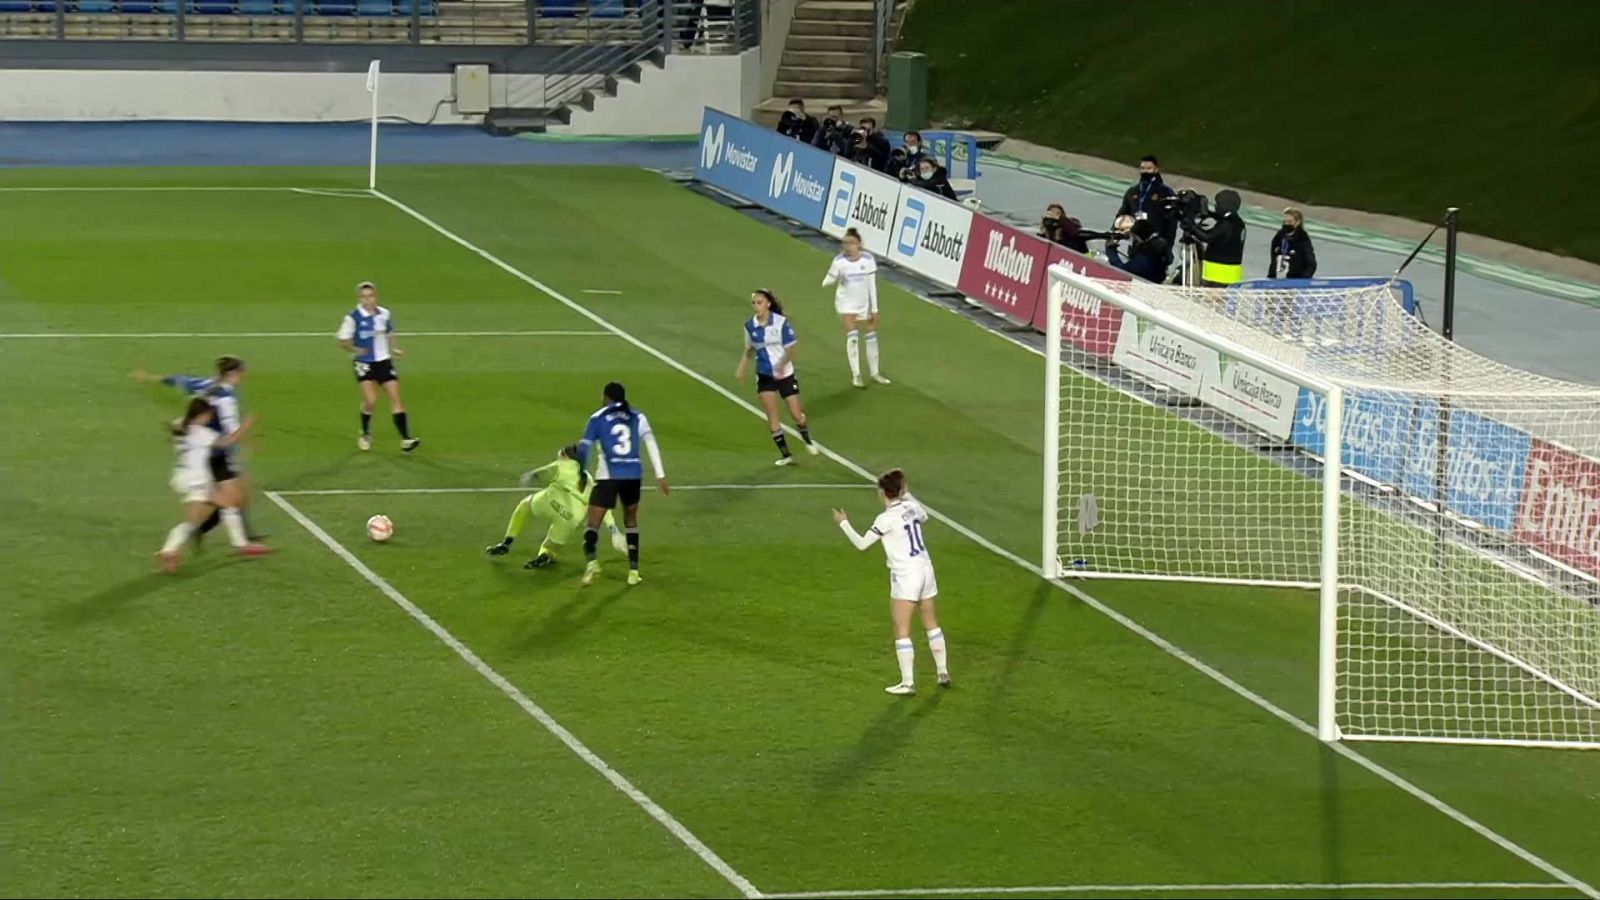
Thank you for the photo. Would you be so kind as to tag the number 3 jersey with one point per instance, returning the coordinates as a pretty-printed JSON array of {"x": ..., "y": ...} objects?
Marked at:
[
  {"x": 619, "y": 437},
  {"x": 899, "y": 527}
]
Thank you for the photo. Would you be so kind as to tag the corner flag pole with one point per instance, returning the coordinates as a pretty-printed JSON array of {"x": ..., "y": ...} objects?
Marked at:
[{"x": 372, "y": 153}]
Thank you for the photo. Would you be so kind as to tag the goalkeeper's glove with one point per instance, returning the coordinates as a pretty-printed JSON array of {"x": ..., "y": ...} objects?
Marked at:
[{"x": 528, "y": 478}]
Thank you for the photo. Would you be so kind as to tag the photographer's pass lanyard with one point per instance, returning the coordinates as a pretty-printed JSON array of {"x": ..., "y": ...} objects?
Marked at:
[
  {"x": 1283, "y": 257},
  {"x": 1145, "y": 187}
]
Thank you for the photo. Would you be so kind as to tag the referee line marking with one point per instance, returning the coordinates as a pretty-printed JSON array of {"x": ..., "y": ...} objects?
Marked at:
[
  {"x": 536, "y": 712},
  {"x": 339, "y": 492},
  {"x": 1180, "y": 888},
  {"x": 139, "y": 335},
  {"x": 1086, "y": 598}
]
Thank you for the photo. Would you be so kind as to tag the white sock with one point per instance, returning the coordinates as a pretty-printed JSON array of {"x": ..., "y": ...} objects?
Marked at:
[
  {"x": 232, "y": 521},
  {"x": 175, "y": 538},
  {"x": 872, "y": 352},
  {"x": 905, "y": 651},
  {"x": 852, "y": 351},
  {"x": 936, "y": 647}
]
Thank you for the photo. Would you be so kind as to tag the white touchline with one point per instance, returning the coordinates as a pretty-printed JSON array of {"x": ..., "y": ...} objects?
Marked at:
[
  {"x": 138, "y": 189},
  {"x": 140, "y": 335},
  {"x": 617, "y": 779},
  {"x": 1089, "y": 600},
  {"x": 1179, "y": 889},
  {"x": 600, "y": 291},
  {"x": 331, "y": 492}
]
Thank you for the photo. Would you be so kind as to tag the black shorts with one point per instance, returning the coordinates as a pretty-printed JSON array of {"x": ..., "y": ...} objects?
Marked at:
[
  {"x": 381, "y": 371},
  {"x": 608, "y": 491},
  {"x": 784, "y": 387},
  {"x": 222, "y": 468}
]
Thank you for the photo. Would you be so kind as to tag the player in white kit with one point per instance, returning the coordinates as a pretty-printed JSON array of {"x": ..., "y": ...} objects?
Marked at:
[
  {"x": 854, "y": 277},
  {"x": 196, "y": 439},
  {"x": 911, "y": 581}
]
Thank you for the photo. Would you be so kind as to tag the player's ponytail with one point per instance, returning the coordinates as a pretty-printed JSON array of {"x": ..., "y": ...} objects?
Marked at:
[
  {"x": 616, "y": 394},
  {"x": 198, "y": 406},
  {"x": 772, "y": 300},
  {"x": 892, "y": 483}
]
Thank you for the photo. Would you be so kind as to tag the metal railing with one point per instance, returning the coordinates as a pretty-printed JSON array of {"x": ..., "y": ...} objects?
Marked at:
[
  {"x": 882, "y": 21},
  {"x": 606, "y": 48},
  {"x": 589, "y": 27}
]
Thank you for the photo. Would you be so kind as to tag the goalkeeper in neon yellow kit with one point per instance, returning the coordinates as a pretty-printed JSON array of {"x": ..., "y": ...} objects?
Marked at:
[{"x": 563, "y": 503}]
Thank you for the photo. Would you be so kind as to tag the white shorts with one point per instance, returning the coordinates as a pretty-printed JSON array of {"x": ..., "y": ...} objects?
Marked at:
[
  {"x": 859, "y": 310},
  {"x": 194, "y": 487},
  {"x": 915, "y": 584}
]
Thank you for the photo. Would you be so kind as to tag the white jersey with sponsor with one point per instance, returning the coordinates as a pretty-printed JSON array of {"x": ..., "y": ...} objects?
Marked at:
[
  {"x": 856, "y": 280},
  {"x": 191, "y": 475}
]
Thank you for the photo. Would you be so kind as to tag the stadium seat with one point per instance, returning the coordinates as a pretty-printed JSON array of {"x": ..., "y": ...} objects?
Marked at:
[
  {"x": 16, "y": 6},
  {"x": 258, "y": 7},
  {"x": 94, "y": 6},
  {"x": 136, "y": 7},
  {"x": 334, "y": 7},
  {"x": 375, "y": 7},
  {"x": 558, "y": 8},
  {"x": 606, "y": 9},
  {"x": 424, "y": 7},
  {"x": 212, "y": 7}
]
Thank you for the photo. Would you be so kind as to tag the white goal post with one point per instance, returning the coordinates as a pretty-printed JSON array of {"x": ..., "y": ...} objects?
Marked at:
[{"x": 1294, "y": 442}]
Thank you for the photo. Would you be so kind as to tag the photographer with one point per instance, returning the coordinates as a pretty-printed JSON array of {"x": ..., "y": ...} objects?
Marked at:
[
  {"x": 1222, "y": 261},
  {"x": 906, "y": 159},
  {"x": 1059, "y": 228},
  {"x": 869, "y": 146},
  {"x": 1292, "y": 255},
  {"x": 797, "y": 123},
  {"x": 1151, "y": 199},
  {"x": 932, "y": 177},
  {"x": 1149, "y": 254},
  {"x": 835, "y": 133}
]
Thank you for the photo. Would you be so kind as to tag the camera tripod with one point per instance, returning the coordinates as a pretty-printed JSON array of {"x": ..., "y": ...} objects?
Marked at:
[{"x": 1187, "y": 273}]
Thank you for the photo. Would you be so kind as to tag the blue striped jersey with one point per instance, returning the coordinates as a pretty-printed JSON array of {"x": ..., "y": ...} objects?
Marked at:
[
  {"x": 224, "y": 399},
  {"x": 771, "y": 343},
  {"x": 369, "y": 332},
  {"x": 619, "y": 437}
]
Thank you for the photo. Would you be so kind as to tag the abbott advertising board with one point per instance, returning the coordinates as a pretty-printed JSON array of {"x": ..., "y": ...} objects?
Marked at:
[
  {"x": 1004, "y": 269},
  {"x": 930, "y": 235},
  {"x": 865, "y": 200},
  {"x": 765, "y": 167}
]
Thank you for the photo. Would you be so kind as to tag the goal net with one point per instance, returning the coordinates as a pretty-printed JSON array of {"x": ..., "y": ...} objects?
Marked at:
[{"x": 1451, "y": 533}]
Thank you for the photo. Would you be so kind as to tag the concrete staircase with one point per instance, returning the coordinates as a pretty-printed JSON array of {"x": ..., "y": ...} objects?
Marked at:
[{"x": 827, "y": 59}]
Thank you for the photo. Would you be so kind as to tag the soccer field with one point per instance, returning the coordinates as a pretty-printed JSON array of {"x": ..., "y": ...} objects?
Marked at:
[{"x": 345, "y": 718}]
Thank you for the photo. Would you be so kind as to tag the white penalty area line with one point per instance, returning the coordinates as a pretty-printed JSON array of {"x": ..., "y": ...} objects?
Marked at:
[
  {"x": 537, "y": 713},
  {"x": 142, "y": 335},
  {"x": 339, "y": 492},
  {"x": 1180, "y": 889},
  {"x": 1087, "y": 599},
  {"x": 602, "y": 291}
]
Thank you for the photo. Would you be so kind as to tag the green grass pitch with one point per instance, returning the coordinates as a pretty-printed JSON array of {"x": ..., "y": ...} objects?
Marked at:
[{"x": 283, "y": 727}]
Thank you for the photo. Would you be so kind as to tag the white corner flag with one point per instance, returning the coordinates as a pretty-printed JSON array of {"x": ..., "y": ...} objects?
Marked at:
[{"x": 372, "y": 152}]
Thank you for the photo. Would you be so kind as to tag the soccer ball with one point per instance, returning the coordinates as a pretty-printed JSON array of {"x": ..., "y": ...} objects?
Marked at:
[{"x": 379, "y": 528}]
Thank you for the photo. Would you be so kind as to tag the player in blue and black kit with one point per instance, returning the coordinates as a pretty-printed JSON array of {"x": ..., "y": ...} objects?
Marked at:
[
  {"x": 618, "y": 434},
  {"x": 770, "y": 341},
  {"x": 222, "y": 392},
  {"x": 367, "y": 333}
]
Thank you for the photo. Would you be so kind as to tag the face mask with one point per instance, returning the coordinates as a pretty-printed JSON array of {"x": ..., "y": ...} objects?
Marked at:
[
  {"x": 926, "y": 174},
  {"x": 1147, "y": 177}
]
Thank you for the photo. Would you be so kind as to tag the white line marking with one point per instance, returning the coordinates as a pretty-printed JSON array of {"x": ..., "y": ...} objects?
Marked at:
[
  {"x": 616, "y": 778},
  {"x": 67, "y": 189},
  {"x": 356, "y": 194},
  {"x": 601, "y": 291},
  {"x": 331, "y": 492},
  {"x": 1179, "y": 889},
  {"x": 290, "y": 334},
  {"x": 1167, "y": 646}
]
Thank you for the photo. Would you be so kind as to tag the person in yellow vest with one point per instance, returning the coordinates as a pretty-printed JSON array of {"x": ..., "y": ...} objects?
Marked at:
[{"x": 1222, "y": 263}]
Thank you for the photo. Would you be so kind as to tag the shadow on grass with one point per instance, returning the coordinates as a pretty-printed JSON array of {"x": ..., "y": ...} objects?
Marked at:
[
  {"x": 118, "y": 599},
  {"x": 888, "y": 732},
  {"x": 1043, "y": 594}
]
